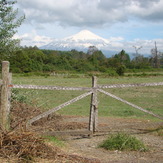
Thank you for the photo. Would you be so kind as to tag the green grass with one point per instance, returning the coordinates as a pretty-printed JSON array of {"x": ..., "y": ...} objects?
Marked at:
[
  {"x": 83, "y": 82},
  {"x": 149, "y": 98},
  {"x": 54, "y": 140},
  {"x": 52, "y": 80},
  {"x": 123, "y": 141}
]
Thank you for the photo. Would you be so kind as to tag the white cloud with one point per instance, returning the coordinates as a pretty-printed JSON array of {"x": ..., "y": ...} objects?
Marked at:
[
  {"x": 150, "y": 10},
  {"x": 86, "y": 13},
  {"x": 33, "y": 39},
  {"x": 116, "y": 38},
  {"x": 146, "y": 45}
]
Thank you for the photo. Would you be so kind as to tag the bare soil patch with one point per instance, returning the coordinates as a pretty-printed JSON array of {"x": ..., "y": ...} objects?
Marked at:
[
  {"x": 142, "y": 129},
  {"x": 82, "y": 148}
]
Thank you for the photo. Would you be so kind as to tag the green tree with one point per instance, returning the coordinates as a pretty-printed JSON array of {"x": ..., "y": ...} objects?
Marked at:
[
  {"x": 97, "y": 59},
  {"x": 123, "y": 58},
  {"x": 20, "y": 62},
  {"x": 9, "y": 22},
  {"x": 120, "y": 70},
  {"x": 140, "y": 62},
  {"x": 112, "y": 62},
  {"x": 91, "y": 50}
]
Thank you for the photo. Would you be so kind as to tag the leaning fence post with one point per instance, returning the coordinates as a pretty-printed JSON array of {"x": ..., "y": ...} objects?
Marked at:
[
  {"x": 4, "y": 100},
  {"x": 93, "y": 118}
]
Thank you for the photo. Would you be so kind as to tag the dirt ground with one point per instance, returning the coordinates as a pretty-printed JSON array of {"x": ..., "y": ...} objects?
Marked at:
[
  {"x": 82, "y": 148},
  {"x": 142, "y": 129}
]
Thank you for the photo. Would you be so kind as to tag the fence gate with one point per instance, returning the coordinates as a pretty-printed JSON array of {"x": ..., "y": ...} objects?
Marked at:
[{"x": 5, "y": 85}]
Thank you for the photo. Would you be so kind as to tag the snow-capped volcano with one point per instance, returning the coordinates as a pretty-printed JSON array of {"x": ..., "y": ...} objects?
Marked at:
[
  {"x": 85, "y": 35},
  {"x": 79, "y": 41}
]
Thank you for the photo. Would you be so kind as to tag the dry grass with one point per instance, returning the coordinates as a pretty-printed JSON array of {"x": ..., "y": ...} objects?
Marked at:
[
  {"x": 24, "y": 145},
  {"x": 20, "y": 113},
  {"x": 19, "y": 146}
]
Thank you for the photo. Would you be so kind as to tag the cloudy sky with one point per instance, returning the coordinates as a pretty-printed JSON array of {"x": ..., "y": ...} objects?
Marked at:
[{"x": 126, "y": 23}]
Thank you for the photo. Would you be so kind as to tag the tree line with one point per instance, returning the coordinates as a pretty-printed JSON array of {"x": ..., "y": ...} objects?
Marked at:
[{"x": 33, "y": 59}]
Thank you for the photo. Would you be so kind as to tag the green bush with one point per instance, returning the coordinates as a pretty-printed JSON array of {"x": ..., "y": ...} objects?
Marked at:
[
  {"x": 111, "y": 72},
  {"x": 120, "y": 70},
  {"x": 123, "y": 141}
]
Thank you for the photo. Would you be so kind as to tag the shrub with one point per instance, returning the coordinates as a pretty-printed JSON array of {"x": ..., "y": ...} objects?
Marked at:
[
  {"x": 120, "y": 70},
  {"x": 123, "y": 141},
  {"x": 111, "y": 72}
]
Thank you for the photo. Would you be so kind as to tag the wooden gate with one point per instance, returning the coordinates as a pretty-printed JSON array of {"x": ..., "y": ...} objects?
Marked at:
[{"x": 6, "y": 86}]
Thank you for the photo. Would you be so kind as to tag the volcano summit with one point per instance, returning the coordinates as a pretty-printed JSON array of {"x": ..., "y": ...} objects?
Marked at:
[{"x": 80, "y": 41}]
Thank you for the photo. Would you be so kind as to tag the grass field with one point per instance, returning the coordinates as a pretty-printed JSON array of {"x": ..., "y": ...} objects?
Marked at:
[{"x": 150, "y": 98}]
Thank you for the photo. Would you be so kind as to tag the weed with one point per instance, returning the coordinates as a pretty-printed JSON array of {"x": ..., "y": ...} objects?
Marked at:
[
  {"x": 16, "y": 95},
  {"x": 123, "y": 141},
  {"x": 55, "y": 140},
  {"x": 128, "y": 113}
]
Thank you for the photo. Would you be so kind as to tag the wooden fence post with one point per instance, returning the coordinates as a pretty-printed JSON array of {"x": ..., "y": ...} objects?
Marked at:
[
  {"x": 93, "y": 117},
  {"x": 95, "y": 124},
  {"x": 4, "y": 100}
]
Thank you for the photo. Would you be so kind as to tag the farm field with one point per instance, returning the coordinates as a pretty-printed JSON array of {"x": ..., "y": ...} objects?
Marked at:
[{"x": 149, "y": 98}]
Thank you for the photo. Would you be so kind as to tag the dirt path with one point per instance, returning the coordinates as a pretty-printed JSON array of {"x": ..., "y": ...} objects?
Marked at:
[{"x": 88, "y": 147}]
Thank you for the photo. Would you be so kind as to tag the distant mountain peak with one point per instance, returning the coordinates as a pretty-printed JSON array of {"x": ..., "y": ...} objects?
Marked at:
[
  {"x": 80, "y": 41},
  {"x": 85, "y": 35}
]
